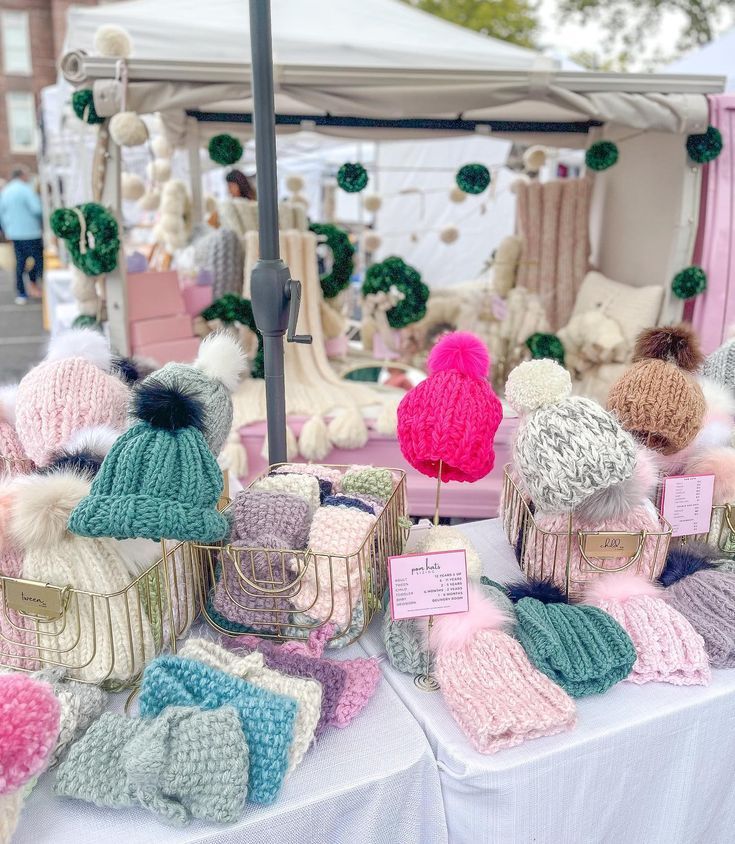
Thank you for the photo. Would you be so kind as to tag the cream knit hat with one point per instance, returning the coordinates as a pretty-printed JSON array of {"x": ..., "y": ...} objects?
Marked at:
[{"x": 306, "y": 693}]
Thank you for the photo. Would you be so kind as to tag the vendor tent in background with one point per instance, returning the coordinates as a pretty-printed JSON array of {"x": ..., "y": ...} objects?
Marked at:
[{"x": 716, "y": 57}]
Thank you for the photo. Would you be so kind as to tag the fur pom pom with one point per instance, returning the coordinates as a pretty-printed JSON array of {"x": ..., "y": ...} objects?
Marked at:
[
  {"x": 221, "y": 357},
  {"x": 536, "y": 383},
  {"x": 127, "y": 129},
  {"x": 677, "y": 344},
  {"x": 8, "y": 394},
  {"x": 719, "y": 462},
  {"x": 167, "y": 407},
  {"x": 42, "y": 505},
  {"x": 616, "y": 501},
  {"x": 460, "y": 351},
  {"x": 113, "y": 42},
  {"x": 542, "y": 590},
  {"x": 81, "y": 463},
  {"x": 455, "y": 631},
  {"x": 685, "y": 560},
  {"x": 97, "y": 439},
  {"x": 619, "y": 586},
  {"x": 126, "y": 370},
  {"x": 81, "y": 343},
  {"x": 132, "y": 187},
  {"x": 161, "y": 147}
]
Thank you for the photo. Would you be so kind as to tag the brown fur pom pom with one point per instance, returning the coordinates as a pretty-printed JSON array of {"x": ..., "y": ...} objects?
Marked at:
[{"x": 677, "y": 344}]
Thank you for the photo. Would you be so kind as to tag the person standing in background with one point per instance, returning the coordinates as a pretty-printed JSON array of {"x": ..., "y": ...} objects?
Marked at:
[
  {"x": 21, "y": 218},
  {"x": 239, "y": 185}
]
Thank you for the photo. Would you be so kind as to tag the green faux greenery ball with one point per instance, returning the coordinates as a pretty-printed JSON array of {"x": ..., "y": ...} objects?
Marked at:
[
  {"x": 83, "y": 104},
  {"x": 544, "y": 346},
  {"x": 352, "y": 178},
  {"x": 225, "y": 150},
  {"x": 395, "y": 272},
  {"x": 601, "y": 155},
  {"x": 233, "y": 308},
  {"x": 338, "y": 241},
  {"x": 96, "y": 250},
  {"x": 689, "y": 282},
  {"x": 472, "y": 178},
  {"x": 705, "y": 147},
  {"x": 86, "y": 321}
]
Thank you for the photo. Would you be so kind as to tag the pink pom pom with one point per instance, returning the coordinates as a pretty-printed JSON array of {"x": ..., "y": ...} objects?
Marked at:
[
  {"x": 462, "y": 352},
  {"x": 618, "y": 587},
  {"x": 454, "y": 631},
  {"x": 29, "y": 729}
]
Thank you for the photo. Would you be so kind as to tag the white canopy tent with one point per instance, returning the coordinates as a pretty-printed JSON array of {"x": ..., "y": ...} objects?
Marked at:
[{"x": 716, "y": 57}]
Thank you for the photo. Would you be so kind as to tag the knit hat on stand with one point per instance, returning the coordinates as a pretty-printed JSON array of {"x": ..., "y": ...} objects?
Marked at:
[
  {"x": 29, "y": 728},
  {"x": 328, "y": 673},
  {"x": 567, "y": 448},
  {"x": 71, "y": 389},
  {"x": 495, "y": 695},
  {"x": 13, "y": 459},
  {"x": 185, "y": 763},
  {"x": 98, "y": 639},
  {"x": 669, "y": 649},
  {"x": 257, "y": 513},
  {"x": 658, "y": 399},
  {"x": 581, "y": 648},
  {"x": 267, "y": 719},
  {"x": 367, "y": 480},
  {"x": 453, "y": 415},
  {"x": 160, "y": 480},
  {"x": 705, "y": 596},
  {"x": 720, "y": 364},
  {"x": 306, "y": 693},
  {"x": 210, "y": 380}
]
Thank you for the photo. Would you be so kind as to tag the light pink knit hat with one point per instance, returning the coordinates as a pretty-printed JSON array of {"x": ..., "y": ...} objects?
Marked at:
[
  {"x": 13, "y": 459},
  {"x": 495, "y": 695},
  {"x": 669, "y": 649},
  {"x": 69, "y": 390}
]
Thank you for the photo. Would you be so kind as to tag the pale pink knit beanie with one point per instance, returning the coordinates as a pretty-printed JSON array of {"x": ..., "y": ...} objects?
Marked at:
[
  {"x": 13, "y": 459},
  {"x": 495, "y": 695},
  {"x": 669, "y": 649}
]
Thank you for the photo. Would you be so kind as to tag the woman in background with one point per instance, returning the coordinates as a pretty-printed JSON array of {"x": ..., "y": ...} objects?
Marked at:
[{"x": 240, "y": 186}]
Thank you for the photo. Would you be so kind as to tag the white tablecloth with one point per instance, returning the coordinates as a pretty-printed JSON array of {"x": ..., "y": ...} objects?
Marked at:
[
  {"x": 645, "y": 765},
  {"x": 375, "y": 781}
]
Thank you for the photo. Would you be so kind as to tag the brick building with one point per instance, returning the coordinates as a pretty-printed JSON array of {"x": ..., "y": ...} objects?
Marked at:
[{"x": 31, "y": 39}]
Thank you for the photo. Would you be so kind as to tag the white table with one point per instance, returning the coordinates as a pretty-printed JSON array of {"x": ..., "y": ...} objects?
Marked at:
[
  {"x": 375, "y": 781},
  {"x": 645, "y": 764}
]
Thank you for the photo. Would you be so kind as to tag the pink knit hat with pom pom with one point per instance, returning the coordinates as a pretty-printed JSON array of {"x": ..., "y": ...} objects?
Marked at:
[
  {"x": 71, "y": 389},
  {"x": 13, "y": 459},
  {"x": 669, "y": 649},
  {"x": 495, "y": 695},
  {"x": 453, "y": 415}
]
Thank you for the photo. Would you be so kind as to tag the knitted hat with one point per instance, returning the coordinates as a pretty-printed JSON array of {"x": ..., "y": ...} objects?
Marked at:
[
  {"x": 367, "y": 480},
  {"x": 658, "y": 399},
  {"x": 305, "y": 486},
  {"x": 306, "y": 693},
  {"x": 720, "y": 364},
  {"x": 160, "y": 479},
  {"x": 453, "y": 415},
  {"x": 256, "y": 514},
  {"x": 326, "y": 473},
  {"x": 567, "y": 448},
  {"x": 210, "y": 379},
  {"x": 705, "y": 596},
  {"x": 495, "y": 695},
  {"x": 267, "y": 719},
  {"x": 669, "y": 649},
  {"x": 328, "y": 673},
  {"x": 13, "y": 459},
  {"x": 185, "y": 763},
  {"x": 97, "y": 638},
  {"x": 71, "y": 389},
  {"x": 580, "y": 648}
]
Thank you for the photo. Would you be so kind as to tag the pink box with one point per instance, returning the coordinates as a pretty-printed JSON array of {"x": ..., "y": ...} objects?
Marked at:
[
  {"x": 182, "y": 351},
  {"x": 153, "y": 295},
  {"x": 160, "y": 330},
  {"x": 197, "y": 298},
  {"x": 337, "y": 347}
]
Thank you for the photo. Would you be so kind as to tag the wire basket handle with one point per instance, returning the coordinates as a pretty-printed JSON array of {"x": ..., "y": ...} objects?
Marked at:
[{"x": 630, "y": 561}]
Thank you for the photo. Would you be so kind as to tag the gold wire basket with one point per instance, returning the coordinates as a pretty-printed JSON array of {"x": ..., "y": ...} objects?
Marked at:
[
  {"x": 100, "y": 638},
  {"x": 571, "y": 558},
  {"x": 286, "y": 593}
]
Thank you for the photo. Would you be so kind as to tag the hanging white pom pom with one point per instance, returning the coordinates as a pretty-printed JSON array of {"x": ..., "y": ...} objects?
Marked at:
[
  {"x": 457, "y": 195},
  {"x": 371, "y": 241},
  {"x": 534, "y": 159},
  {"x": 161, "y": 147},
  {"x": 372, "y": 202},
  {"x": 159, "y": 170},
  {"x": 113, "y": 42},
  {"x": 314, "y": 440},
  {"x": 449, "y": 234},
  {"x": 295, "y": 183},
  {"x": 127, "y": 129},
  {"x": 348, "y": 429},
  {"x": 132, "y": 187},
  {"x": 150, "y": 200}
]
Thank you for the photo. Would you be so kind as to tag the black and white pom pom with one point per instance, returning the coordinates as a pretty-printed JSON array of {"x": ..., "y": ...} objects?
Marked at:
[
  {"x": 685, "y": 560},
  {"x": 169, "y": 407},
  {"x": 542, "y": 590}
]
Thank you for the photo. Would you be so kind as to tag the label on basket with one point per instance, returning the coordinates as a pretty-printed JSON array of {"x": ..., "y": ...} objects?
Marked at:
[
  {"x": 610, "y": 546},
  {"x": 686, "y": 503},
  {"x": 428, "y": 584},
  {"x": 36, "y": 599}
]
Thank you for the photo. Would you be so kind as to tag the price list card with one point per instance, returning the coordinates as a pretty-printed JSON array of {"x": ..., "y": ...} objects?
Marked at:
[
  {"x": 428, "y": 584},
  {"x": 687, "y": 503}
]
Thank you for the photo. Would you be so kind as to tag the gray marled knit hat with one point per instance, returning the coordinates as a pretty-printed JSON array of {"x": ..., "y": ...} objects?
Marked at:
[
  {"x": 720, "y": 365},
  {"x": 221, "y": 252},
  {"x": 567, "y": 447},
  {"x": 211, "y": 379}
]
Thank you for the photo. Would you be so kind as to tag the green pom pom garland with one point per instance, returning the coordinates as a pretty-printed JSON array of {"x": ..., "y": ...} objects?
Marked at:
[
  {"x": 83, "y": 104},
  {"x": 352, "y": 178},
  {"x": 689, "y": 282},
  {"x": 705, "y": 147},
  {"x": 86, "y": 321},
  {"x": 543, "y": 345},
  {"x": 225, "y": 150},
  {"x": 338, "y": 241},
  {"x": 83, "y": 226},
  {"x": 472, "y": 178},
  {"x": 395, "y": 272},
  {"x": 601, "y": 155}
]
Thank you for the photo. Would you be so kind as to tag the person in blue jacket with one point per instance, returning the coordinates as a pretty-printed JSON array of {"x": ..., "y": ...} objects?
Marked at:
[{"x": 21, "y": 219}]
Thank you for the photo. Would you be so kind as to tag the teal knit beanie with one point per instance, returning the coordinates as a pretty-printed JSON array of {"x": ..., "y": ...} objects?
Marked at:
[
  {"x": 581, "y": 648},
  {"x": 160, "y": 480}
]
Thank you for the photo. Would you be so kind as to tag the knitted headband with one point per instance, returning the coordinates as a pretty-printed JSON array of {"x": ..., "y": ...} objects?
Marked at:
[
  {"x": 327, "y": 473},
  {"x": 367, "y": 480},
  {"x": 305, "y": 486},
  {"x": 257, "y": 514}
]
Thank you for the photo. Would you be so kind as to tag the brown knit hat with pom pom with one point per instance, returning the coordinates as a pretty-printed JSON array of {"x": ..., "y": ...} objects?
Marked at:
[{"x": 657, "y": 399}]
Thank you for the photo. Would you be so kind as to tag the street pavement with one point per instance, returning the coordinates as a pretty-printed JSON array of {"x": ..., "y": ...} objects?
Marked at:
[{"x": 22, "y": 338}]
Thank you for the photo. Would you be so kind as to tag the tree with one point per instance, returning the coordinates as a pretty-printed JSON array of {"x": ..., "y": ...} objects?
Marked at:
[{"x": 508, "y": 20}]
